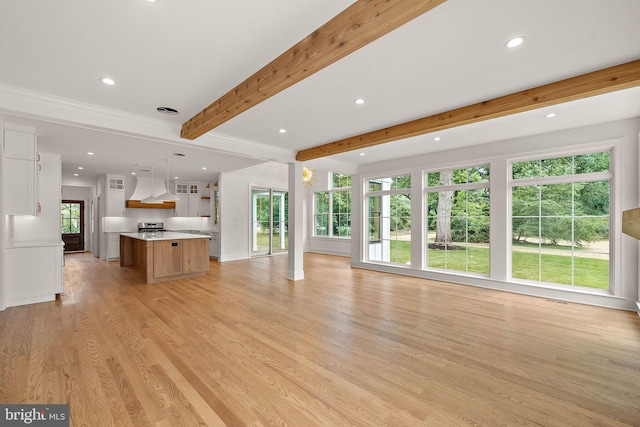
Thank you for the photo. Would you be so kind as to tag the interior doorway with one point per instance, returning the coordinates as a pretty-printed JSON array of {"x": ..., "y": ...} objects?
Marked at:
[
  {"x": 269, "y": 223},
  {"x": 72, "y": 225}
]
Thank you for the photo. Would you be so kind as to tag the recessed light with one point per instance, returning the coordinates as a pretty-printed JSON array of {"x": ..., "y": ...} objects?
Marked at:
[
  {"x": 108, "y": 81},
  {"x": 175, "y": 177},
  {"x": 362, "y": 154},
  {"x": 437, "y": 138},
  {"x": 75, "y": 174},
  {"x": 133, "y": 173},
  {"x": 359, "y": 101},
  {"x": 550, "y": 115},
  {"x": 282, "y": 130},
  {"x": 89, "y": 153},
  {"x": 167, "y": 110},
  {"x": 515, "y": 42},
  {"x": 80, "y": 168},
  {"x": 204, "y": 169}
]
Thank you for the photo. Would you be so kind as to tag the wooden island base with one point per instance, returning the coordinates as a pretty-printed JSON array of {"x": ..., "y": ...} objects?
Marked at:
[{"x": 162, "y": 259}]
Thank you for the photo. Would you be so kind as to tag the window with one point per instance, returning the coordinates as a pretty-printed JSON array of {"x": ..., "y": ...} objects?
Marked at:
[
  {"x": 70, "y": 217},
  {"x": 321, "y": 216},
  {"x": 560, "y": 220},
  {"x": 389, "y": 219},
  {"x": 458, "y": 220},
  {"x": 332, "y": 217},
  {"x": 339, "y": 180}
]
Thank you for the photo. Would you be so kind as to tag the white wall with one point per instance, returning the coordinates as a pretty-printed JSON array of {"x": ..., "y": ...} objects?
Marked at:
[
  {"x": 3, "y": 243},
  {"x": 235, "y": 205}
]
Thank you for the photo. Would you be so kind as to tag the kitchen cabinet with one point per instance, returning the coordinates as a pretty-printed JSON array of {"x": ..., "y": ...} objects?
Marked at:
[
  {"x": 114, "y": 195},
  {"x": 192, "y": 259},
  {"x": 29, "y": 285},
  {"x": 19, "y": 170},
  {"x": 174, "y": 257},
  {"x": 166, "y": 255},
  {"x": 214, "y": 245},
  {"x": 113, "y": 246},
  {"x": 167, "y": 258},
  {"x": 195, "y": 199}
]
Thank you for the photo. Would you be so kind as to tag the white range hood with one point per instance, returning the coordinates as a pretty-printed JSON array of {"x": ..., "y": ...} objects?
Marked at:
[{"x": 144, "y": 188}]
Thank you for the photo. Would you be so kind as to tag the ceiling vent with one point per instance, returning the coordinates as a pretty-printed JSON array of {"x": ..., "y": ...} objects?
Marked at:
[{"x": 167, "y": 110}]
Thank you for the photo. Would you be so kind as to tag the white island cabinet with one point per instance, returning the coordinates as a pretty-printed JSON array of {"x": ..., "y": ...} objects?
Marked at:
[{"x": 165, "y": 256}]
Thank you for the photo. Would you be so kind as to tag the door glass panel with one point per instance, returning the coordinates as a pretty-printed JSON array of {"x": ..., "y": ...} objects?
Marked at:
[
  {"x": 269, "y": 223},
  {"x": 260, "y": 231},
  {"x": 280, "y": 242},
  {"x": 71, "y": 224}
]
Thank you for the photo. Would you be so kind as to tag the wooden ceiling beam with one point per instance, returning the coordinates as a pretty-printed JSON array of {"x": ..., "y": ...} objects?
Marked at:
[
  {"x": 611, "y": 79},
  {"x": 358, "y": 25}
]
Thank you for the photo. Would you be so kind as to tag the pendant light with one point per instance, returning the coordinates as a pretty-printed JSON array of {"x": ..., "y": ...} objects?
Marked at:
[
  {"x": 151, "y": 199},
  {"x": 168, "y": 196}
]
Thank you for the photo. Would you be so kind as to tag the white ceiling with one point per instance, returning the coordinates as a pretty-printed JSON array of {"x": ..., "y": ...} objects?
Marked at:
[{"x": 186, "y": 55}]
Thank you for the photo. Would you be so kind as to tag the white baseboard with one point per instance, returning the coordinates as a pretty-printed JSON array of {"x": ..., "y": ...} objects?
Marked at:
[{"x": 597, "y": 299}]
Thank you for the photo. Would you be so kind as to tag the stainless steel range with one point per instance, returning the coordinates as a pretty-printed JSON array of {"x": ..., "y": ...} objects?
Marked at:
[{"x": 150, "y": 227}]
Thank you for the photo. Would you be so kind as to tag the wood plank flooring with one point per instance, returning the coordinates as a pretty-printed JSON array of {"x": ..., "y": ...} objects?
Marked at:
[{"x": 242, "y": 346}]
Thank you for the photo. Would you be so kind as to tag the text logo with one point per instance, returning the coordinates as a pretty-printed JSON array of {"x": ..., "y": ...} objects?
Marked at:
[{"x": 34, "y": 415}]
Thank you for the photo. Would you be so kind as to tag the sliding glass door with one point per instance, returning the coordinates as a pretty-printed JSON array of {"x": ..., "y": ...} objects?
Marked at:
[{"x": 269, "y": 209}]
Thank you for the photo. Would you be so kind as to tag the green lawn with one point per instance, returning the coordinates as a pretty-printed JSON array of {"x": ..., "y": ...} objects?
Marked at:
[{"x": 589, "y": 272}]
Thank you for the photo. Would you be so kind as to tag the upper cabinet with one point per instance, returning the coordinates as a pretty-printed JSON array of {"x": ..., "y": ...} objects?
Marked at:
[
  {"x": 114, "y": 195},
  {"x": 195, "y": 199},
  {"x": 19, "y": 171}
]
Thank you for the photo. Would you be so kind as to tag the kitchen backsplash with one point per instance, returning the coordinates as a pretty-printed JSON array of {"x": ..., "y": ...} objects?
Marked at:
[{"x": 115, "y": 224}]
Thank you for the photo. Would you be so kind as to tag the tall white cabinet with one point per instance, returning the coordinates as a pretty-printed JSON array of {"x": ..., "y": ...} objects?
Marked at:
[
  {"x": 114, "y": 206},
  {"x": 32, "y": 194},
  {"x": 114, "y": 195},
  {"x": 20, "y": 167}
]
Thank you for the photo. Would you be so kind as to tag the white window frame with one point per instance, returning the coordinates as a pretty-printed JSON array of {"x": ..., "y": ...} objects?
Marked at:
[
  {"x": 365, "y": 212},
  {"x": 453, "y": 187},
  {"x": 613, "y": 146},
  {"x": 330, "y": 191}
]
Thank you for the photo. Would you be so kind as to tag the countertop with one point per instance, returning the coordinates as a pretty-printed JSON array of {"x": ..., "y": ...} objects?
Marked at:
[
  {"x": 33, "y": 244},
  {"x": 164, "y": 235}
]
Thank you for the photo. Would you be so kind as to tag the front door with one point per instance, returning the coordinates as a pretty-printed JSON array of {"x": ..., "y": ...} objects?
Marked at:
[{"x": 72, "y": 217}]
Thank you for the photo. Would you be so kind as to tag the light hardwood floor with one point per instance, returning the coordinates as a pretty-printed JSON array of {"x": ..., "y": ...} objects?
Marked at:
[{"x": 242, "y": 346}]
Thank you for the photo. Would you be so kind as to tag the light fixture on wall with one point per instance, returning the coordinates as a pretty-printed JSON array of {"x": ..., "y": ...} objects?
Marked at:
[
  {"x": 168, "y": 196},
  {"x": 151, "y": 199},
  {"x": 308, "y": 176}
]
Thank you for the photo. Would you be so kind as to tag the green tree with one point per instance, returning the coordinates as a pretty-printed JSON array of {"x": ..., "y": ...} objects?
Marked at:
[
  {"x": 459, "y": 215},
  {"x": 576, "y": 212}
]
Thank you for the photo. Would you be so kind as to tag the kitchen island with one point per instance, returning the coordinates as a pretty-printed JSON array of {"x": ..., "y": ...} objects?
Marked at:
[{"x": 163, "y": 256}]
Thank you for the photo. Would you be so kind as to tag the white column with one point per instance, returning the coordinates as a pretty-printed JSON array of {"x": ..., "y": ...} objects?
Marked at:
[
  {"x": 418, "y": 232},
  {"x": 500, "y": 232},
  {"x": 296, "y": 269}
]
